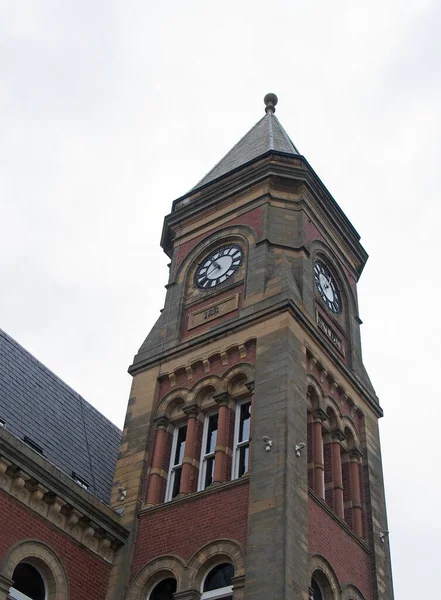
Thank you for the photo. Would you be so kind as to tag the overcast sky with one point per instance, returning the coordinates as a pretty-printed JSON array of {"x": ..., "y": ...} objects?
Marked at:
[{"x": 111, "y": 110}]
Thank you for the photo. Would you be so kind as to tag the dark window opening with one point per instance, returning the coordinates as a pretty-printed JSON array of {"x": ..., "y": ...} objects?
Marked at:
[
  {"x": 316, "y": 591},
  {"x": 219, "y": 577},
  {"x": 28, "y": 581},
  {"x": 81, "y": 482},
  {"x": 33, "y": 444},
  {"x": 164, "y": 590}
]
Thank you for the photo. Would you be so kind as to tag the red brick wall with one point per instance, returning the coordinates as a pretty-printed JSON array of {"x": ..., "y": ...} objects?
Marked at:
[
  {"x": 88, "y": 575},
  {"x": 252, "y": 218},
  {"x": 347, "y": 557},
  {"x": 182, "y": 528}
]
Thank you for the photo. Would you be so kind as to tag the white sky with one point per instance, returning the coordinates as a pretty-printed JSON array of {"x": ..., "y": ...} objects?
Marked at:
[{"x": 110, "y": 110}]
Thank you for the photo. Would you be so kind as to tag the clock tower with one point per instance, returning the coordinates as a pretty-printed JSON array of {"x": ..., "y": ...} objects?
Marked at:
[{"x": 250, "y": 465}]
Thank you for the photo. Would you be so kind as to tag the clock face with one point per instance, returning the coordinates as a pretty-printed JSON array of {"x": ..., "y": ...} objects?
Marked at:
[
  {"x": 326, "y": 286},
  {"x": 218, "y": 266}
]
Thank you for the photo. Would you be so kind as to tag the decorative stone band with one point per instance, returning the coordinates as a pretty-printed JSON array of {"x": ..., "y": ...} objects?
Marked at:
[{"x": 64, "y": 510}]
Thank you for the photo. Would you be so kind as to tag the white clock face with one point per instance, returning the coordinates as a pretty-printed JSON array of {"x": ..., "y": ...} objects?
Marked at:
[
  {"x": 218, "y": 266},
  {"x": 326, "y": 286}
]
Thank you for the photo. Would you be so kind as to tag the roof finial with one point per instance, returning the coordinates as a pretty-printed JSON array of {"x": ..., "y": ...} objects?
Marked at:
[{"x": 270, "y": 103}]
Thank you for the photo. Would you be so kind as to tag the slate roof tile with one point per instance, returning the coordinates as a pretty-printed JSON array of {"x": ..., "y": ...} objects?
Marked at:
[{"x": 74, "y": 436}]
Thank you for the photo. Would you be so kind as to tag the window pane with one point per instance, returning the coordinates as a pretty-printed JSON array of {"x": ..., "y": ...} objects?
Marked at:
[
  {"x": 28, "y": 581},
  {"x": 243, "y": 460},
  {"x": 164, "y": 590},
  {"x": 180, "y": 445},
  {"x": 176, "y": 481},
  {"x": 245, "y": 416},
  {"x": 211, "y": 434},
  {"x": 209, "y": 471},
  {"x": 316, "y": 591},
  {"x": 219, "y": 577}
]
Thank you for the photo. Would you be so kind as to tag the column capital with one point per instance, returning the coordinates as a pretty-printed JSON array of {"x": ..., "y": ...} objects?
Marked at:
[
  {"x": 250, "y": 386},
  {"x": 222, "y": 399},
  {"x": 5, "y": 584},
  {"x": 319, "y": 415},
  {"x": 191, "y": 411},
  {"x": 355, "y": 455},
  {"x": 337, "y": 435},
  {"x": 161, "y": 422}
]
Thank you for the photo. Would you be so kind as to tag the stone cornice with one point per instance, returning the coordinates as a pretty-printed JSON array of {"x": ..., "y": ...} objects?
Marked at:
[
  {"x": 52, "y": 495},
  {"x": 271, "y": 164},
  {"x": 244, "y": 322}
]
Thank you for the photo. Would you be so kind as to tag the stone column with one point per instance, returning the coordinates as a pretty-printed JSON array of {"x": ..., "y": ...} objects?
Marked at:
[
  {"x": 5, "y": 584},
  {"x": 337, "y": 436},
  {"x": 156, "y": 473},
  {"x": 357, "y": 510},
  {"x": 318, "y": 417},
  {"x": 188, "y": 466},
  {"x": 222, "y": 400}
]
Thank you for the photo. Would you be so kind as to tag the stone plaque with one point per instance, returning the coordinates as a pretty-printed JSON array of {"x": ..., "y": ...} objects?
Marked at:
[
  {"x": 213, "y": 311},
  {"x": 330, "y": 333}
]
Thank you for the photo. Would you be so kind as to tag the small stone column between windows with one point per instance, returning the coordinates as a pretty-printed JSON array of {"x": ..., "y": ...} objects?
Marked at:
[
  {"x": 156, "y": 472},
  {"x": 357, "y": 509},
  {"x": 318, "y": 417},
  {"x": 337, "y": 436},
  {"x": 223, "y": 401},
  {"x": 188, "y": 465},
  {"x": 5, "y": 585}
]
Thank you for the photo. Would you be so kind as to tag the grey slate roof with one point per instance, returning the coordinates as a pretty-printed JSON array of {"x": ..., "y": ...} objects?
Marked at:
[
  {"x": 267, "y": 134},
  {"x": 73, "y": 435}
]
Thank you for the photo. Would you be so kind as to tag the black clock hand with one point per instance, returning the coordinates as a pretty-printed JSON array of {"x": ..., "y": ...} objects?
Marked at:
[{"x": 216, "y": 266}]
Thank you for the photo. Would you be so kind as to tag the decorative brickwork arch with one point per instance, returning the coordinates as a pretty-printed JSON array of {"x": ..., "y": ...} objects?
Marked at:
[
  {"x": 45, "y": 560},
  {"x": 351, "y": 433},
  {"x": 171, "y": 401},
  {"x": 350, "y": 592},
  {"x": 211, "y": 555},
  {"x": 314, "y": 394},
  {"x": 321, "y": 570},
  {"x": 330, "y": 403},
  {"x": 153, "y": 573},
  {"x": 212, "y": 384},
  {"x": 241, "y": 372}
]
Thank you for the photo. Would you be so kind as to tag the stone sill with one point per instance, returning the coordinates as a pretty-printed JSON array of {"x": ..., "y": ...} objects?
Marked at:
[
  {"x": 336, "y": 518},
  {"x": 196, "y": 495}
]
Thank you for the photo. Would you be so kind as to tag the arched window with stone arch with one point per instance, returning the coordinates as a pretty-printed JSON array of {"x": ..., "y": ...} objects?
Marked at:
[
  {"x": 163, "y": 590},
  {"x": 36, "y": 572},
  {"x": 218, "y": 583}
]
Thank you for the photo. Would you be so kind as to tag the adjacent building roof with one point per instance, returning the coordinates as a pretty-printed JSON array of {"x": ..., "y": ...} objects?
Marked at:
[
  {"x": 39, "y": 408},
  {"x": 266, "y": 135}
]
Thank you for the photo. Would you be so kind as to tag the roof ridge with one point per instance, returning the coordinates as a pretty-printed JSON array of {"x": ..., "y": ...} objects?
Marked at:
[
  {"x": 55, "y": 377},
  {"x": 229, "y": 152},
  {"x": 263, "y": 137}
]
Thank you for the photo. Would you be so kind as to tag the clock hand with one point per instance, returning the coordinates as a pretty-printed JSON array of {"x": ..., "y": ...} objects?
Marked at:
[{"x": 215, "y": 266}]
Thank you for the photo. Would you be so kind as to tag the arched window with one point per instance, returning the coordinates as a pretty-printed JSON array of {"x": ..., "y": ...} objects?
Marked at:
[
  {"x": 316, "y": 592},
  {"x": 219, "y": 583},
  {"x": 164, "y": 590},
  {"x": 28, "y": 583}
]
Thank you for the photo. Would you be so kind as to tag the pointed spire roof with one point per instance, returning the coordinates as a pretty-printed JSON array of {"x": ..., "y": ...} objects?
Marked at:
[{"x": 266, "y": 135}]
